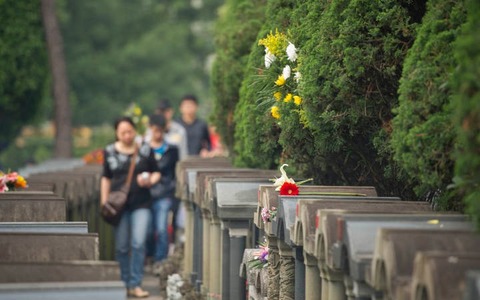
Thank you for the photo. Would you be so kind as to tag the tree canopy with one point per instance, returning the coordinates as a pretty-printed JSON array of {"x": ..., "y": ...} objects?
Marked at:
[
  {"x": 23, "y": 66},
  {"x": 120, "y": 52}
]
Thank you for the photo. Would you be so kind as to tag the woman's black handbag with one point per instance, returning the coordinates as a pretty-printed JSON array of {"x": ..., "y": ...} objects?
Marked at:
[{"x": 112, "y": 210}]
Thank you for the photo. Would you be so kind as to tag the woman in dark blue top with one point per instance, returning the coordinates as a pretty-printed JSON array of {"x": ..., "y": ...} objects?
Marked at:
[{"x": 163, "y": 192}]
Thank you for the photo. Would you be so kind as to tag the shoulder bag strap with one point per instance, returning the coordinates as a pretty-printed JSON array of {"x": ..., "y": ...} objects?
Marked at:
[{"x": 132, "y": 167}]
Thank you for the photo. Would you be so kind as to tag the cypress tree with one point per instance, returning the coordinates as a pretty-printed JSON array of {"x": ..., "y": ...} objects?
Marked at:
[
  {"x": 236, "y": 29},
  {"x": 467, "y": 107},
  {"x": 256, "y": 135},
  {"x": 350, "y": 69},
  {"x": 423, "y": 134},
  {"x": 296, "y": 138}
]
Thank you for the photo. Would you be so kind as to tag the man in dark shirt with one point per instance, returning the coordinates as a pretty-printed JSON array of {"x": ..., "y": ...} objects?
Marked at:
[{"x": 198, "y": 137}]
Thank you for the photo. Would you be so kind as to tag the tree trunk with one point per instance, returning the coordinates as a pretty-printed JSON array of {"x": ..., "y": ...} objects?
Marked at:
[{"x": 63, "y": 120}]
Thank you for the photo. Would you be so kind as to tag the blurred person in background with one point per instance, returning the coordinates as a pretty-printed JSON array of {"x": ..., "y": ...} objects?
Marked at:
[
  {"x": 198, "y": 136},
  {"x": 163, "y": 192},
  {"x": 175, "y": 133},
  {"x": 217, "y": 148}
]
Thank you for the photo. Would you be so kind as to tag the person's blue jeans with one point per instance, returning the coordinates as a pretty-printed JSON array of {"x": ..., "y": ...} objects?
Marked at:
[
  {"x": 130, "y": 237},
  {"x": 160, "y": 209}
]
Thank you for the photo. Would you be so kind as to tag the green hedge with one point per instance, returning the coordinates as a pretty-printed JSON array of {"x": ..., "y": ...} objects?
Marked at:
[
  {"x": 423, "y": 131},
  {"x": 296, "y": 138},
  {"x": 351, "y": 55},
  {"x": 378, "y": 97},
  {"x": 467, "y": 103},
  {"x": 350, "y": 70},
  {"x": 256, "y": 135},
  {"x": 236, "y": 29}
]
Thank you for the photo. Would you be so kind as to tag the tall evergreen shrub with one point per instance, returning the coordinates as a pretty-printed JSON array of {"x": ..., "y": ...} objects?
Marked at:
[
  {"x": 423, "y": 132},
  {"x": 350, "y": 69},
  {"x": 236, "y": 29},
  {"x": 467, "y": 102},
  {"x": 296, "y": 138},
  {"x": 256, "y": 135}
]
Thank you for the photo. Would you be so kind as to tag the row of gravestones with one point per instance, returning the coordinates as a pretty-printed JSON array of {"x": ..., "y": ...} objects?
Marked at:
[
  {"x": 47, "y": 248},
  {"x": 327, "y": 243}
]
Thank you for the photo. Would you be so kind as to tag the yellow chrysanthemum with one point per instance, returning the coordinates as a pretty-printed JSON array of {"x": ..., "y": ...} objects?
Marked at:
[
  {"x": 280, "y": 81},
  {"x": 275, "y": 43},
  {"x": 288, "y": 98},
  {"x": 277, "y": 95},
  {"x": 275, "y": 112},
  {"x": 297, "y": 100},
  {"x": 137, "y": 111}
]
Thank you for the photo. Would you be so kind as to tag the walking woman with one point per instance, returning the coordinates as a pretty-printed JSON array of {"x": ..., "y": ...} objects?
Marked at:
[{"x": 131, "y": 232}]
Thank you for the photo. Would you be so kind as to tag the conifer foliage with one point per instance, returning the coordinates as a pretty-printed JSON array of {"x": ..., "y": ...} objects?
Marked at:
[
  {"x": 256, "y": 135},
  {"x": 423, "y": 134},
  {"x": 466, "y": 101},
  {"x": 236, "y": 30},
  {"x": 389, "y": 97}
]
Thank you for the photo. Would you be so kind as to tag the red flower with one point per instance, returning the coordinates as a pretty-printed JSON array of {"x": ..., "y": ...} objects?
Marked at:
[{"x": 289, "y": 189}]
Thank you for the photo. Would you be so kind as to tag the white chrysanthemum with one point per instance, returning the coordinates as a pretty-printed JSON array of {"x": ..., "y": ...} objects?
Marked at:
[
  {"x": 297, "y": 77},
  {"x": 269, "y": 58},
  {"x": 174, "y": 282},
  {"x": 291, "y": 52},
  {"x": 286, "y": 72}
]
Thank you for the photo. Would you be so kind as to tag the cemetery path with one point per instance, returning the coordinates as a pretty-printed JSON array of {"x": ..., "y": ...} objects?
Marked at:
[{"x": 151, "y": 284}]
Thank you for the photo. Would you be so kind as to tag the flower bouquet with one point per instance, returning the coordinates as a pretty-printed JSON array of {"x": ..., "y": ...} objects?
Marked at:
[
  {"x": 288, "y": 187},
  {"x": 269, "y": 215},
  {"x": 11, "y": 181},
  {"x": 260, "y": 259},
  {"x": 277, "y": 82}
]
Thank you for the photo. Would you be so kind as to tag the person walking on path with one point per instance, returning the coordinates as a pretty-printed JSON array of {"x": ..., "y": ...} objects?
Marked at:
[
  {"x": 175, "y": 133},
  {"x": 198, "y": 137},
  {"x": 162, "y": 192},
  {"x": 131, "y": 232}
]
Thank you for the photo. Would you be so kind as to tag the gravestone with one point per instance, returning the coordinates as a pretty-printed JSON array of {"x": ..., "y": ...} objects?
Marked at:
[
  {"x": 234, "y": 202},
  {"x": 354, "y": 247},
  {"x": 45, "y": 227},
  {"x": 31, "y": 207},
  {"x": 59, "y": 271},
  {"x": 395, "y": 249},
  {"x": 30, "y": 247},
  {"x": 441, "y": 275}
]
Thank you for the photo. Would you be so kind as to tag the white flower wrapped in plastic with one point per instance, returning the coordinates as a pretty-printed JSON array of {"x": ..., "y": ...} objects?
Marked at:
[{"x": 284, "y": 178}]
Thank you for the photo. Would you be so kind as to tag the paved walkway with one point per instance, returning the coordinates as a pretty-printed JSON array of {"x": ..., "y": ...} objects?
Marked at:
[{"x": 151, "y": 284}]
